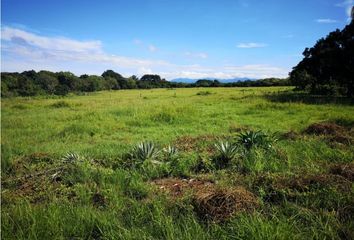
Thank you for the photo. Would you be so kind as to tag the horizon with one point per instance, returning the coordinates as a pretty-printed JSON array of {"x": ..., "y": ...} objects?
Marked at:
[{"x": 196, "y": 40}]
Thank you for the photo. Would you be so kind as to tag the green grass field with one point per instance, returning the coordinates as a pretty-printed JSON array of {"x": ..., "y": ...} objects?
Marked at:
[{"x": 300, "y": 188}]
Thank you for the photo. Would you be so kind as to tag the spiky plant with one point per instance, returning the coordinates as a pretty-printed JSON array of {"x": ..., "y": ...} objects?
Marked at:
[
  {"x": 171, "y": 152},
  {"x": 225, "y": 153},
  {"x": 71, "y": 157},
  {"x": 145, "y": 151},
  {"x": 251, "y": 139}
]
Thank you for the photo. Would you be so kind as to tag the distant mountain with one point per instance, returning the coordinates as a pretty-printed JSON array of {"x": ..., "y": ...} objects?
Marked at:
[{"x": 191, "y": 80}]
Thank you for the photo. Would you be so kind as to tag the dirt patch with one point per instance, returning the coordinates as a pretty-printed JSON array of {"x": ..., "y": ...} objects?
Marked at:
[
  {"x": 98, "y": 200},
  {"x": 279, "y": 188},
  {"x": 34, "y": 177},
  {"x": 307, "y": 183},
  {"x": 189, "y": 143},
  {"x": 333, "y": 133},
  {"x": 178, "y": 187},
  {"x": 210, "y": 202},
  {"x": 291, "y": 135},
  {"x": 344, "y": 170},
  {"x": 219, "y": 205},
  {"x": 325, "y": 128},
  {"x": 235, "y": 128}
]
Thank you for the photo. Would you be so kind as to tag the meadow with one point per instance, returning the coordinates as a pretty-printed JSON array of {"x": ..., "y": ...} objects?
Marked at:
[{"x": 69, "y": 170}]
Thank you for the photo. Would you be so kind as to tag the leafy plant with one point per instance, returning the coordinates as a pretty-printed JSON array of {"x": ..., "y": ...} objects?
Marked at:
[
  {"x": 71, "y": 158},
  {"x": 251, "y": 139},
  {"x": 226, "y": 152},
  {"x": 145, "y": 151},
  {"x": 171, "y": 152}
]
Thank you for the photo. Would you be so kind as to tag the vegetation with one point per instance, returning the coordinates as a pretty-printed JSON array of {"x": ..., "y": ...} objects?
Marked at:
[
  {"x": 67, "y": 173},
  {"x": 31, "y": 83},
  {"x": 328, "y": 67}
]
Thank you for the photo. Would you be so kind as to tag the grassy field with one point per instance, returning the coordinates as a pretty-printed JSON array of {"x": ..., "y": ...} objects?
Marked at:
[{"x": 300, "y": 188}]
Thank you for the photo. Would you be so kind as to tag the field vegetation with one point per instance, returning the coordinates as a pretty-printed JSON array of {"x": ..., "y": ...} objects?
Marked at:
[{"x": 184, "y": 163}]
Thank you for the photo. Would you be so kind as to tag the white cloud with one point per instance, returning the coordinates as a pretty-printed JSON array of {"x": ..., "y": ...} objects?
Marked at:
[
  {"x": 226, "y": 72},
  {"x": 251, "y": 45},
  {"x": 57, "y": 44},
  {"x": 326, "y": 20},
  {"x": 38, "y": 48},
  {"x": 22, "y": 50},
  {"x": 196, "y": 55}
]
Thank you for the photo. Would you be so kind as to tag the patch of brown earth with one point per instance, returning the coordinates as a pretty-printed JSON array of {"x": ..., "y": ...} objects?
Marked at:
[
  {"x": 189, "y": 143},
  {"x": 344, "y": 170},
  {"x": 98, "y": 200},
  {"x": 325, "y": 128},
  {"x": 235, "y": 128},
  {"x": 209, "y": 201},
  {"x": 291, "y": 135},
  {"x": 335, "y": 134},
  {"x": 178, "y": 187},
  {"x": 278, "y": 187},
  {"x": 220, "y": 204}
]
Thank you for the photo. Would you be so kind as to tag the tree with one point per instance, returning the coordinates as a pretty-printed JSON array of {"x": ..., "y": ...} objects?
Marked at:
[
  {"x": 328, "y": 67},
  {"x": 48, "y": 81}
]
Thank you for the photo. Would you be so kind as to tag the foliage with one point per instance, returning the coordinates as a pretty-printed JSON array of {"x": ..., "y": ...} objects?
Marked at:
[
  {"x": 225, "y": 153},
  {"x": 258, "y": 138},
  {"x": 145, "y": 151},
  {"x": 327, "y": 67},
  {"x": 302, "y": 185},
  {"x": 171, "y": 152},
  {"x": 31, "y": 83},
  {"x": 71, "y": 158}
]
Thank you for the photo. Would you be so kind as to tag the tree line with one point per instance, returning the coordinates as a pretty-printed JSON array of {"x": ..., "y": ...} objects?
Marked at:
[
  {"x": 328, "y": 67},
  {"x": 31, "y": 83}
]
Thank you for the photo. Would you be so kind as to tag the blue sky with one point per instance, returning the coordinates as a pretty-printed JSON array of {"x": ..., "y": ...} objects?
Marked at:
[{"x": 185, "y": 38}]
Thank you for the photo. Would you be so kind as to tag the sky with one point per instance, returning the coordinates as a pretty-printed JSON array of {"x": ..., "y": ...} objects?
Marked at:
[{"x": 175, "y": 39}]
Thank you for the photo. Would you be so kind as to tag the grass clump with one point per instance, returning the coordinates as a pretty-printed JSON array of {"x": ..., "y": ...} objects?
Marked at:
[
  {"x": 204, "y": 93},
  {"x": 60, "y": 104}
]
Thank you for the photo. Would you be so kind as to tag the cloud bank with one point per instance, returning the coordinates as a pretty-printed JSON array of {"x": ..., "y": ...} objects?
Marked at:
[{"x": 23, "y": 50}]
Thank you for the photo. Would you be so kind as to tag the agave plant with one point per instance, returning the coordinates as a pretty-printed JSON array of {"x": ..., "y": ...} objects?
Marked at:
[
  {"x": 171, "y": 152},
  {"x": 145, "y": 151},
  {"x": 250, "y": 139},
  {"x": 226, "y": 152},
  {"x": 71, "y": 157}
]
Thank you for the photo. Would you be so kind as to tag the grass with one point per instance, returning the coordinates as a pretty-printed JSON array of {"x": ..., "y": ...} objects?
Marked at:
[{"x": 103, "y": 197}]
